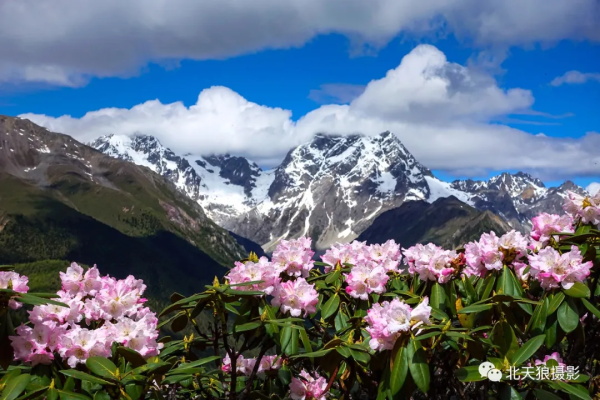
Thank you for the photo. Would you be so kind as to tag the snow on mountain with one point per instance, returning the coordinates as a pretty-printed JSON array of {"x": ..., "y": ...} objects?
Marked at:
[
  {"x": 225, "y": 186},
  {"x": 330, "y": 189}
]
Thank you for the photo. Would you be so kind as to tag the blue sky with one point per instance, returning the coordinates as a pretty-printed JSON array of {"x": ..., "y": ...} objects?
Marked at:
[{"x": 473, "y": 104}]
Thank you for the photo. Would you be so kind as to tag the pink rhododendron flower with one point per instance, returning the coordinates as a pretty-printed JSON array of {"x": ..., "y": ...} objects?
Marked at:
[
  {"x": 366, "y": 278},
  {"x": 492, "y": 252},
  {"x": 431, "y": 262},
  {"x": 246, "y": 365},
  {"x": 297, "y": 297},
  {"x": 584, "y": 209},
  {"x": 263, "y": 270},
  {"x": 112, "y": 306},
  {"x": 387, "y": 255},
  {"x": 294, "y": 257},
  {"x": 545, "y": 226},
  {"x": 350, "y": 253},
  {"x": 552, "y": 269},
  {"x": 13, "y": 281},
  {"x": 388, "y": 320},
  {"x": 307, "y": 387}
]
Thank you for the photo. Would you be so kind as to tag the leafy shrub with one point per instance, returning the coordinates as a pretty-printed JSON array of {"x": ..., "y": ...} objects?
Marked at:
[{"x": 509, "y": 317}]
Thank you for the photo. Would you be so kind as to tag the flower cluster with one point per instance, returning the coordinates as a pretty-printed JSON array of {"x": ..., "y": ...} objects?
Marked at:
[
  {"x": 100, "y": 310},
  {"x": 15, "y": 282},
  {"x": 307, "y": 387},
  {"x": 584, "y": 209},
  {"x": 388, "y": 320},
  {"x": 546, "y": 226},
  {"x": 366, "y": 278},
  {"x": 291, "y": 258},
  {"x": 553, "y": 269},
  {"x": 245, "y": 366},
  {"x": 431, "y": 262},
  {"x": 262, "y": 270},
  {"x": 294, "y": 257},
  {"x": 297, "y": 297},
  {"x": 492, "y": 252},
  {"x": 386, "y": 255}
]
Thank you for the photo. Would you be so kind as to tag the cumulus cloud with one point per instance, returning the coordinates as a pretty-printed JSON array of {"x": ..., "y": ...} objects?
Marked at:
[
  {"x": 64, "y": 42},
  {"x": 440, "y": 111},
  {"x": 574, "y": 77}
]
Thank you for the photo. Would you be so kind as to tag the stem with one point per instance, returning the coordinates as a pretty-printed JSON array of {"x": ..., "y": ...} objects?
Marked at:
[
  {"x": 263, "y": 350},
  {"x": 333, "y": 375}
]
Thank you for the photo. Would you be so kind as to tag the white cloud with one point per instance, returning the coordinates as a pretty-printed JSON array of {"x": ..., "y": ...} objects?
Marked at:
[
  {"x": 439, "y": 110},
  {"x": 64, "y": 42},
  {"x": 574, "y": 77},
  {"x": 593, "y": 188}
]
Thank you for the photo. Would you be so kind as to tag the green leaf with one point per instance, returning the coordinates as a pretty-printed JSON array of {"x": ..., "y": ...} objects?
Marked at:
[
  {"x": 132, "y": 356},
  {"x": 568, "y": 317},
  {"x": 418, "y": 366},
  {"x": 134, "y": 391},
  {"x": 247, "y": 326},
  {"x": 399, "y": 369},
  {"x": 507, "y": 392},
  {"x": 555, "y": 302},
  {"x": 333, "y": 276},
  {"x": 305, "y": 340},
  {"x": 14, "y": 387},
  {"x": 200, "y": 362},
  {"x": 438, "y": 297},
  {"x": 485, "y": 287},
  {"x": 37, "y": 301},
  {"x": 545, "y": 395},
  {"x": 527, "y": 350},
  {"x": 578, "y": 290},
  {"x": 578, "y": 391},
  {"x": 314, "y": 354},
  {"x": 475, "y": 308},
  {"x": 102, "y": 366},
  {"x": 469, "y": 374},
  {"x": 330, "y": 306},
  {"x": 506, "y": 282},
  {"x": 65, "y": 395},
  {"x": 85, "y": 377},
  {"x": 504, "y": 336},
  {"x": 591, "y": 307},
  {"x": 101, "y": 396},
  {"x": 537, "y": 323},
  {"x": 180, "y": 322}
]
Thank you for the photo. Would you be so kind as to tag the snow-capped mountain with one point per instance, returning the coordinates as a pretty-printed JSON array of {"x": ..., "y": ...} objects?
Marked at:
[
  {"x": 516, "y": 197},
  {"x": 225, "y": 186},
  {"x": 330, "y": 189}
]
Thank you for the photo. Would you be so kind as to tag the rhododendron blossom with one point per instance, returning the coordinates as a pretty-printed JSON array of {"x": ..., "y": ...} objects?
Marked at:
[
  {"x": 546, "y": 226},
  {"x": 584, "y": 209},
  {"x": 349, "y": 253},
  {"x": 388, "y": 320},
  {"x": 492, "y": 252},
  {"x": 294, "y": 257},
  {"x": 245, "y": 366},
  {"x": 297, "y": 297},
  {"x": 99, "y": 312},
  {"x": 366, "y": 278},
  {"x": 13, "y": 281},
  {"x": 431, "y": 262},
  {"x": 553, "y": 269},
  {"x": 307, "y": 387},
  {"x": 250, "y": 271}
]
